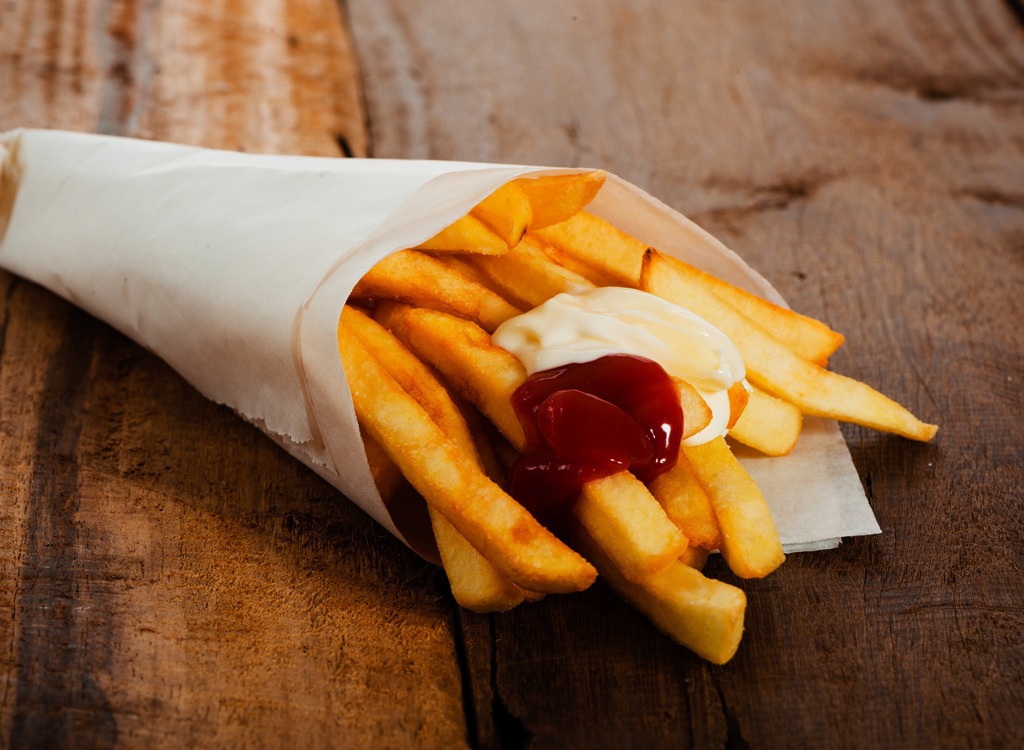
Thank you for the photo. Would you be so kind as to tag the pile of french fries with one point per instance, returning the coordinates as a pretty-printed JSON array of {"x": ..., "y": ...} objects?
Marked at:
[{"x": 415, "y": 343}]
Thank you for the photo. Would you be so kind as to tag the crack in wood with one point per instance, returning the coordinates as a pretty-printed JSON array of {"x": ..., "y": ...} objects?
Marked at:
[
  {"x": 510, "y": 732},
  {"x": 465, "y": 672},
  {"x": 734, "y": 739}
]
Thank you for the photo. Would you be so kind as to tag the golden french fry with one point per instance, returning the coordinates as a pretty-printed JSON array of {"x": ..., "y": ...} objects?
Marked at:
[
  {"x": 700, "y": 613},
  {"x": 618, "y": 510},
  {"x": 804, "y": 336},
  {"x": 687, "y": 504},
  {"x": 557, "y": 198},
  {"x": 481, "y": 372},
  {"x": 613, "y": 253},
  {"x": 768, "y": 424},
  {"x": 414, "y": 377},
  {"x": 617, "y": 257},
  {"x": 467, "y": 235},
  {"x": 624, "y": 520},
  {"x": 773, "y": 367},
  {"x": 507, "y": 211},
  {"x": 497, "y": 526},
  {"x": 416, "y": 278},
  {"x": 526, "y": 275},
  {"x": 750, "y": 543},
  {"x": 475, "y": 583}
]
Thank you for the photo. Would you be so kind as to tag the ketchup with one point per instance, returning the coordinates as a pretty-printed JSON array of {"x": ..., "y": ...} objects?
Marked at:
[{"x": 591, "y": 420}]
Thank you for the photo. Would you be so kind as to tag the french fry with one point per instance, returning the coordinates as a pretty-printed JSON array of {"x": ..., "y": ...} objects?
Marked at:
[
  {"x": 414, "y": 377},
  {"x": 526, "y": 275},
  {"x": 555, "y": 199},
  {"x": 497, "y": 526},
  {"x": 585, "y": 237},
  {"x": 482, "y": 373},
  {"x": 467, "y": 235},
  {"x": 633, "y": 530},
  {"x": 700, "y": 613},
  {"x": 619, "y": 511},
  {"x": 773, "y": 367},
  {"x": 617, "y": 258},
  {"x": 768, "y": 424},
  {"x": 507, "y": 211},
  {"x": 750, "y": 543},
  {"x": 687, "y": 503},
  {"x": 804, "y": 336},
  {"x": 415, "y": 278},
  {"x": 475, "y": 583}
]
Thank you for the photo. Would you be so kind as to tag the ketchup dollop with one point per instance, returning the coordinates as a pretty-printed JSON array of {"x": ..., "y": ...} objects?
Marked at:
[{"x": 590, "y": 420}]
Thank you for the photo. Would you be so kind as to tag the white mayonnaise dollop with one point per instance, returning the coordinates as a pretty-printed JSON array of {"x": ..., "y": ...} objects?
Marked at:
[{"x": 577, "y": 328}]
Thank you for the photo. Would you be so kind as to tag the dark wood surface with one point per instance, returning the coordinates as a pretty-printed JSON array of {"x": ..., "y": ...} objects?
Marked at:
[{"x": 169, "y": 578}]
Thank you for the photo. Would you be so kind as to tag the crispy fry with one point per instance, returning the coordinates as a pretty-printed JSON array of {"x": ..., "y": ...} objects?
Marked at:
[
  {"x": 467, "y": 235},
  {"x": 507, "y": 211},
  {"x": 475, "y": 583},
  {"x": 620, "y": 515},
  {"x": 616, "y": 256},
  {"x": 700, "y": 613},
  {"x": 619, "y": 511},
  {"x": 687, "y": 503},
  {"x": 804, "y": 336},
  {"x": 416, "y": 278},
  {"x": 750, "y": 543},
  {"x": 415, "y": 378},
  {"x": 481, "y": 372},
  {"x": 774, "y": 368},
  {"x": 555, "y": 199},
  {"x": 768, "y": 424},
  {"x": 494, "y": 524},
  {"x": 526, "y": 275},
  {"x": 613, "y": 253}
]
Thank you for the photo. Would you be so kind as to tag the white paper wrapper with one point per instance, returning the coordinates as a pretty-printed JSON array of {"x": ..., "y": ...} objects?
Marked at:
[{"x": 234, "y": 269}]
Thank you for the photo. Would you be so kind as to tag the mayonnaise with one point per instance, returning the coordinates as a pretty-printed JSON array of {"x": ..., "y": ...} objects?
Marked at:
[{"x": 571, "y": 329}]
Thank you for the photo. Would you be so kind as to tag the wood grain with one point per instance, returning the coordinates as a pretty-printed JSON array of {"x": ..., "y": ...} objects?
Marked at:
[
  {"x": 169, "y": 577},
  {"x": 867, "y": 158}
]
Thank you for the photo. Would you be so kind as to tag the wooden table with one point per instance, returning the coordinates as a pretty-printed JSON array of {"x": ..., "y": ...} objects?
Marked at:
[{"x": 170, "y": 578}]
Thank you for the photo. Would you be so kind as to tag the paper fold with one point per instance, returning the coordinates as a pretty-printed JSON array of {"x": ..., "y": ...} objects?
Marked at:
[{"x": 234, "y": 269}]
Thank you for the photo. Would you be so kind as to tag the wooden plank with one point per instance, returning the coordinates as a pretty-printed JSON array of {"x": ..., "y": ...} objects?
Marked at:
[
  {"x": 866, "y": 158},
  {"x": 169, "y": 577}
]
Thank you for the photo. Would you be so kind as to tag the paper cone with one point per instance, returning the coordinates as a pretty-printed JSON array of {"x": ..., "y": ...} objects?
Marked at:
[{"x": 234, "y": 269}]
